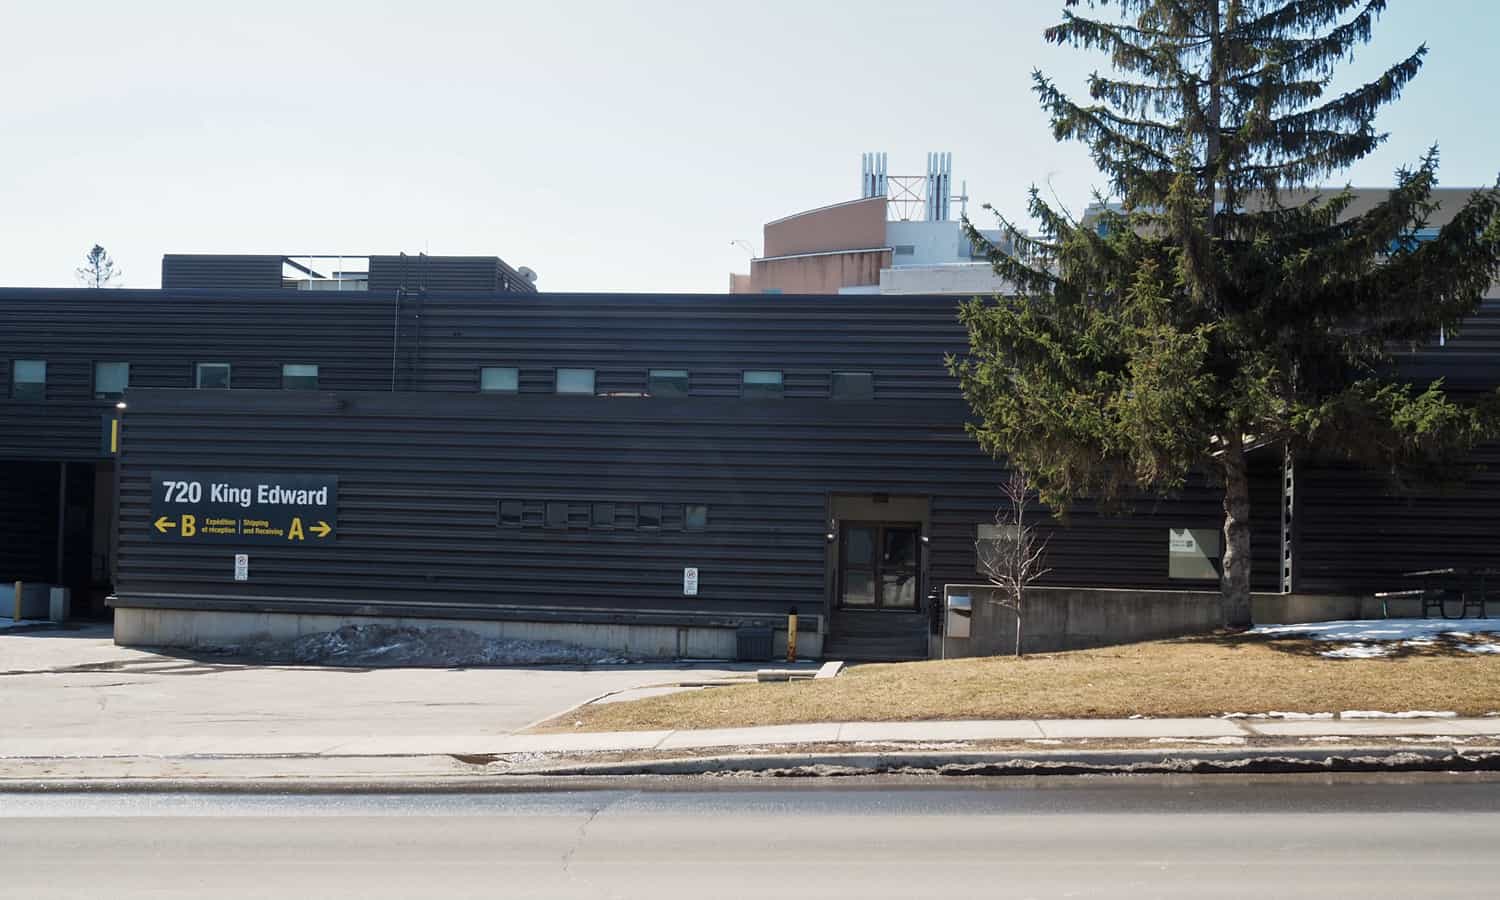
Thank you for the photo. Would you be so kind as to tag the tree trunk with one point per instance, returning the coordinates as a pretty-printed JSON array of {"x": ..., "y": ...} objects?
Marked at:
[
  {"x": 1235, "y": 584},
  {"x": 1019, "y": 607}
]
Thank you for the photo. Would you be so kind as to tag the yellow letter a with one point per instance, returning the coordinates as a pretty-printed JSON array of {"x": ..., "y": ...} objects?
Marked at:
[{"x": 294, "y": 533}]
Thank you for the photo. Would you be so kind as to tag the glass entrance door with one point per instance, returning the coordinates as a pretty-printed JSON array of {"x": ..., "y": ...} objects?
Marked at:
[{"x": 878, "y": 565}]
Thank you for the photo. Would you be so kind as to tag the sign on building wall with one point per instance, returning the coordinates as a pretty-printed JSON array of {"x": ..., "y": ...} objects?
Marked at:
[
  {"x": 243, "y": 508},
  {"x": 1193, "y": 553}
]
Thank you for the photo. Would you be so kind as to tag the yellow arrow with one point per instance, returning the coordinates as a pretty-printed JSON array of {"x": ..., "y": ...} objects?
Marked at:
[
  {"x": 163, "y": 523},
  {"x": 321, "y": 529}
]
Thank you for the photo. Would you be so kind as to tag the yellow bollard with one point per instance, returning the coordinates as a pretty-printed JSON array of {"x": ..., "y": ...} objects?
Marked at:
[{"x": 791, "y": 636}]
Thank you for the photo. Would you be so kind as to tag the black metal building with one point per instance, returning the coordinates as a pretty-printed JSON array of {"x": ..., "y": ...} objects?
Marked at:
[{"x": 527, "y": 457}]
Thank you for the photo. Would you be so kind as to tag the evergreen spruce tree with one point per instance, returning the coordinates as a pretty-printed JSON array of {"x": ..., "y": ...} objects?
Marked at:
[{"x": 1220, "y": 302}]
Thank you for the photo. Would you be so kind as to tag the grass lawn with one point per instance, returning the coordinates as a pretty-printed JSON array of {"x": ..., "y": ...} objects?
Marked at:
[{"x": 1197, "y": 676}]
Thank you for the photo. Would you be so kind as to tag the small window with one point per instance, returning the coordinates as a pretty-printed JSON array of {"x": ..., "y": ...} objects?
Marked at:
[
  {"x": 667, "y": 383},
  {"x": 762, "y": 385},
  {"x": 649, "y": 518},
  {"x": 604, "y": 515},
  {"x": 497, "y": 380},
  {"x": 299, "y": 377},
  {"x": 695, "y": 517},
  {"x": 557, "y": 514},
  {"x": 510, "y": 512},
  {"x": 994, "y": 543},
  {"x": 852, "y": 386},
  {"x": 28, "y": 379},
  {"x": 110, "y": 380},
  {"x": 213, "y": 376},
  {"x": 575, "y": 381}
]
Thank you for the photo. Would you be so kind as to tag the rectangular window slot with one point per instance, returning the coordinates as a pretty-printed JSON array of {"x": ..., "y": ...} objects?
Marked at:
[
  {"x": 761, "y": 385},
  {"x": 695, "y": 517},
  {"x": 667, "y": 383},
  {"x": 852, "y": 386},
  {"x": 649, "y": 517},
  {"x": 499, "y": 380},
  {"x": 212, "y": 376},
  {"x": 110, "y": 380},
  {"x": 299, "y": 377},
  {"x": 511, "y": 513},
  {"x": 28, "y": 379},
  {"x": 575, "y": 381}
]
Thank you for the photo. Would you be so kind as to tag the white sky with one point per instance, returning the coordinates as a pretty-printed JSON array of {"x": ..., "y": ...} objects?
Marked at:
[{"x": 609, "y": 146}]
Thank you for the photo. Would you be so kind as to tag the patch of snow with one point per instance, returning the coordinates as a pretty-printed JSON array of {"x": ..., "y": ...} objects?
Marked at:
[
  {"x": 393, "y": 645},
  {"x": 1043, "y": 741},
  {"x": 1480, "y": 648},
  {"x": 1226, "y": 740},
  {"x": 1358, "y": 651},
  {"x": 1435, "y": 739},
  {"x": 1408, "y": 714},
  {"x": 1138, "y": 716},
  {"x": 1334, "y": 738},
  {"x": 1379, "y": 629}
]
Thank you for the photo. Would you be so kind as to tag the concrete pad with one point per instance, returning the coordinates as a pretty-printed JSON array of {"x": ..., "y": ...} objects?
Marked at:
[
  {"x": 1360, "y": 727},
  {"x": 770, "y": 734},
  {"x": 1137, "y": 728},
  {"x": 830, "y": 669},
  {"x": 939, "y": 731}
]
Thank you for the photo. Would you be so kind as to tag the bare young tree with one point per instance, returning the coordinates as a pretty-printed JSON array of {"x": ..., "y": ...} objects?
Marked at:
[
  {"x": 98, "y": 269},
  {"x": 1012, "y": 558}
]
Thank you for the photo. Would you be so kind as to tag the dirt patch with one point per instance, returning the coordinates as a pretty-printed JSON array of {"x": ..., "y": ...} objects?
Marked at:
[{"x": 1199, "y": 676}]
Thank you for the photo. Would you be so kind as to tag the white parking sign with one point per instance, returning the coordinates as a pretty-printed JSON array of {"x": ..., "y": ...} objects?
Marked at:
[{"x": 242, "y": 567}]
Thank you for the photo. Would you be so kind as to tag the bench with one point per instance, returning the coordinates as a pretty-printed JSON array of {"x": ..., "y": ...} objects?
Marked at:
[{"x": 1467, "y": 585}]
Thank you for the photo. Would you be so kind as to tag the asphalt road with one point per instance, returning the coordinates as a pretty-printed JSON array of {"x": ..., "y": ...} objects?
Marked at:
[{"x": 1137, "y": 837}]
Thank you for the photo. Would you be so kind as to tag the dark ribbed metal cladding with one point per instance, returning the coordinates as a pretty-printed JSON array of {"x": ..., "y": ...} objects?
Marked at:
[
  {"x": 162, "y": 334},
  {"x": 901, "y": 340},
  {"x": 446, "y": 273},
  {"x": 1355, "y": 533},
  {"x": 28, "y": 521},
  {"x": 227, "y": 271},
  {"x": 421, "y": 477},
  {"x": 1469, "y": 358}
]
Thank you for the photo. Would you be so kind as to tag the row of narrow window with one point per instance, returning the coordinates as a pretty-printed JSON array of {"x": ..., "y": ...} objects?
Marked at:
[
  {"x": 29, "y": 381},
  {"x": 28, "y": 378},
  {"x": 602, "y": 515},
  {"x": 755, "y": 384}
]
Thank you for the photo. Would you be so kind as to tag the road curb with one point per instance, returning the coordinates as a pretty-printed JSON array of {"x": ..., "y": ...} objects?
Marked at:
[
  {"x": 1056, "y": 762},
  {"x": 592, "y": 776}
]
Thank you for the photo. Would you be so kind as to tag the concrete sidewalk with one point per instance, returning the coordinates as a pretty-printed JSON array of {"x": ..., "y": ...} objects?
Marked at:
[{"x": 408, "y": 756}]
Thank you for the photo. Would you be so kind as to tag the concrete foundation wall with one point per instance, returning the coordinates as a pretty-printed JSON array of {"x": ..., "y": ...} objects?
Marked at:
[
  {"x": 1078, "y": 618},
  {"x": 198, "y": 629}
]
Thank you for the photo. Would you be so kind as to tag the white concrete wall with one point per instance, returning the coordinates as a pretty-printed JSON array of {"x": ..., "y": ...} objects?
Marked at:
[{"x": 967, "y": 279}]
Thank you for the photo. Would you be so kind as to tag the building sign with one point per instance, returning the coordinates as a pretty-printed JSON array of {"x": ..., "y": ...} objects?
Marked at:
[
  {"x": 1193, "y": 553},
  {"x": 690, "y": 582},
  {"x": 242, "y": 508}
]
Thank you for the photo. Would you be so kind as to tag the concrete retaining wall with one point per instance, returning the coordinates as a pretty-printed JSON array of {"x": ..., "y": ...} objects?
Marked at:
[
  {"x": 1079, "y": 618},
  {"x": 198, "y": 629}
]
